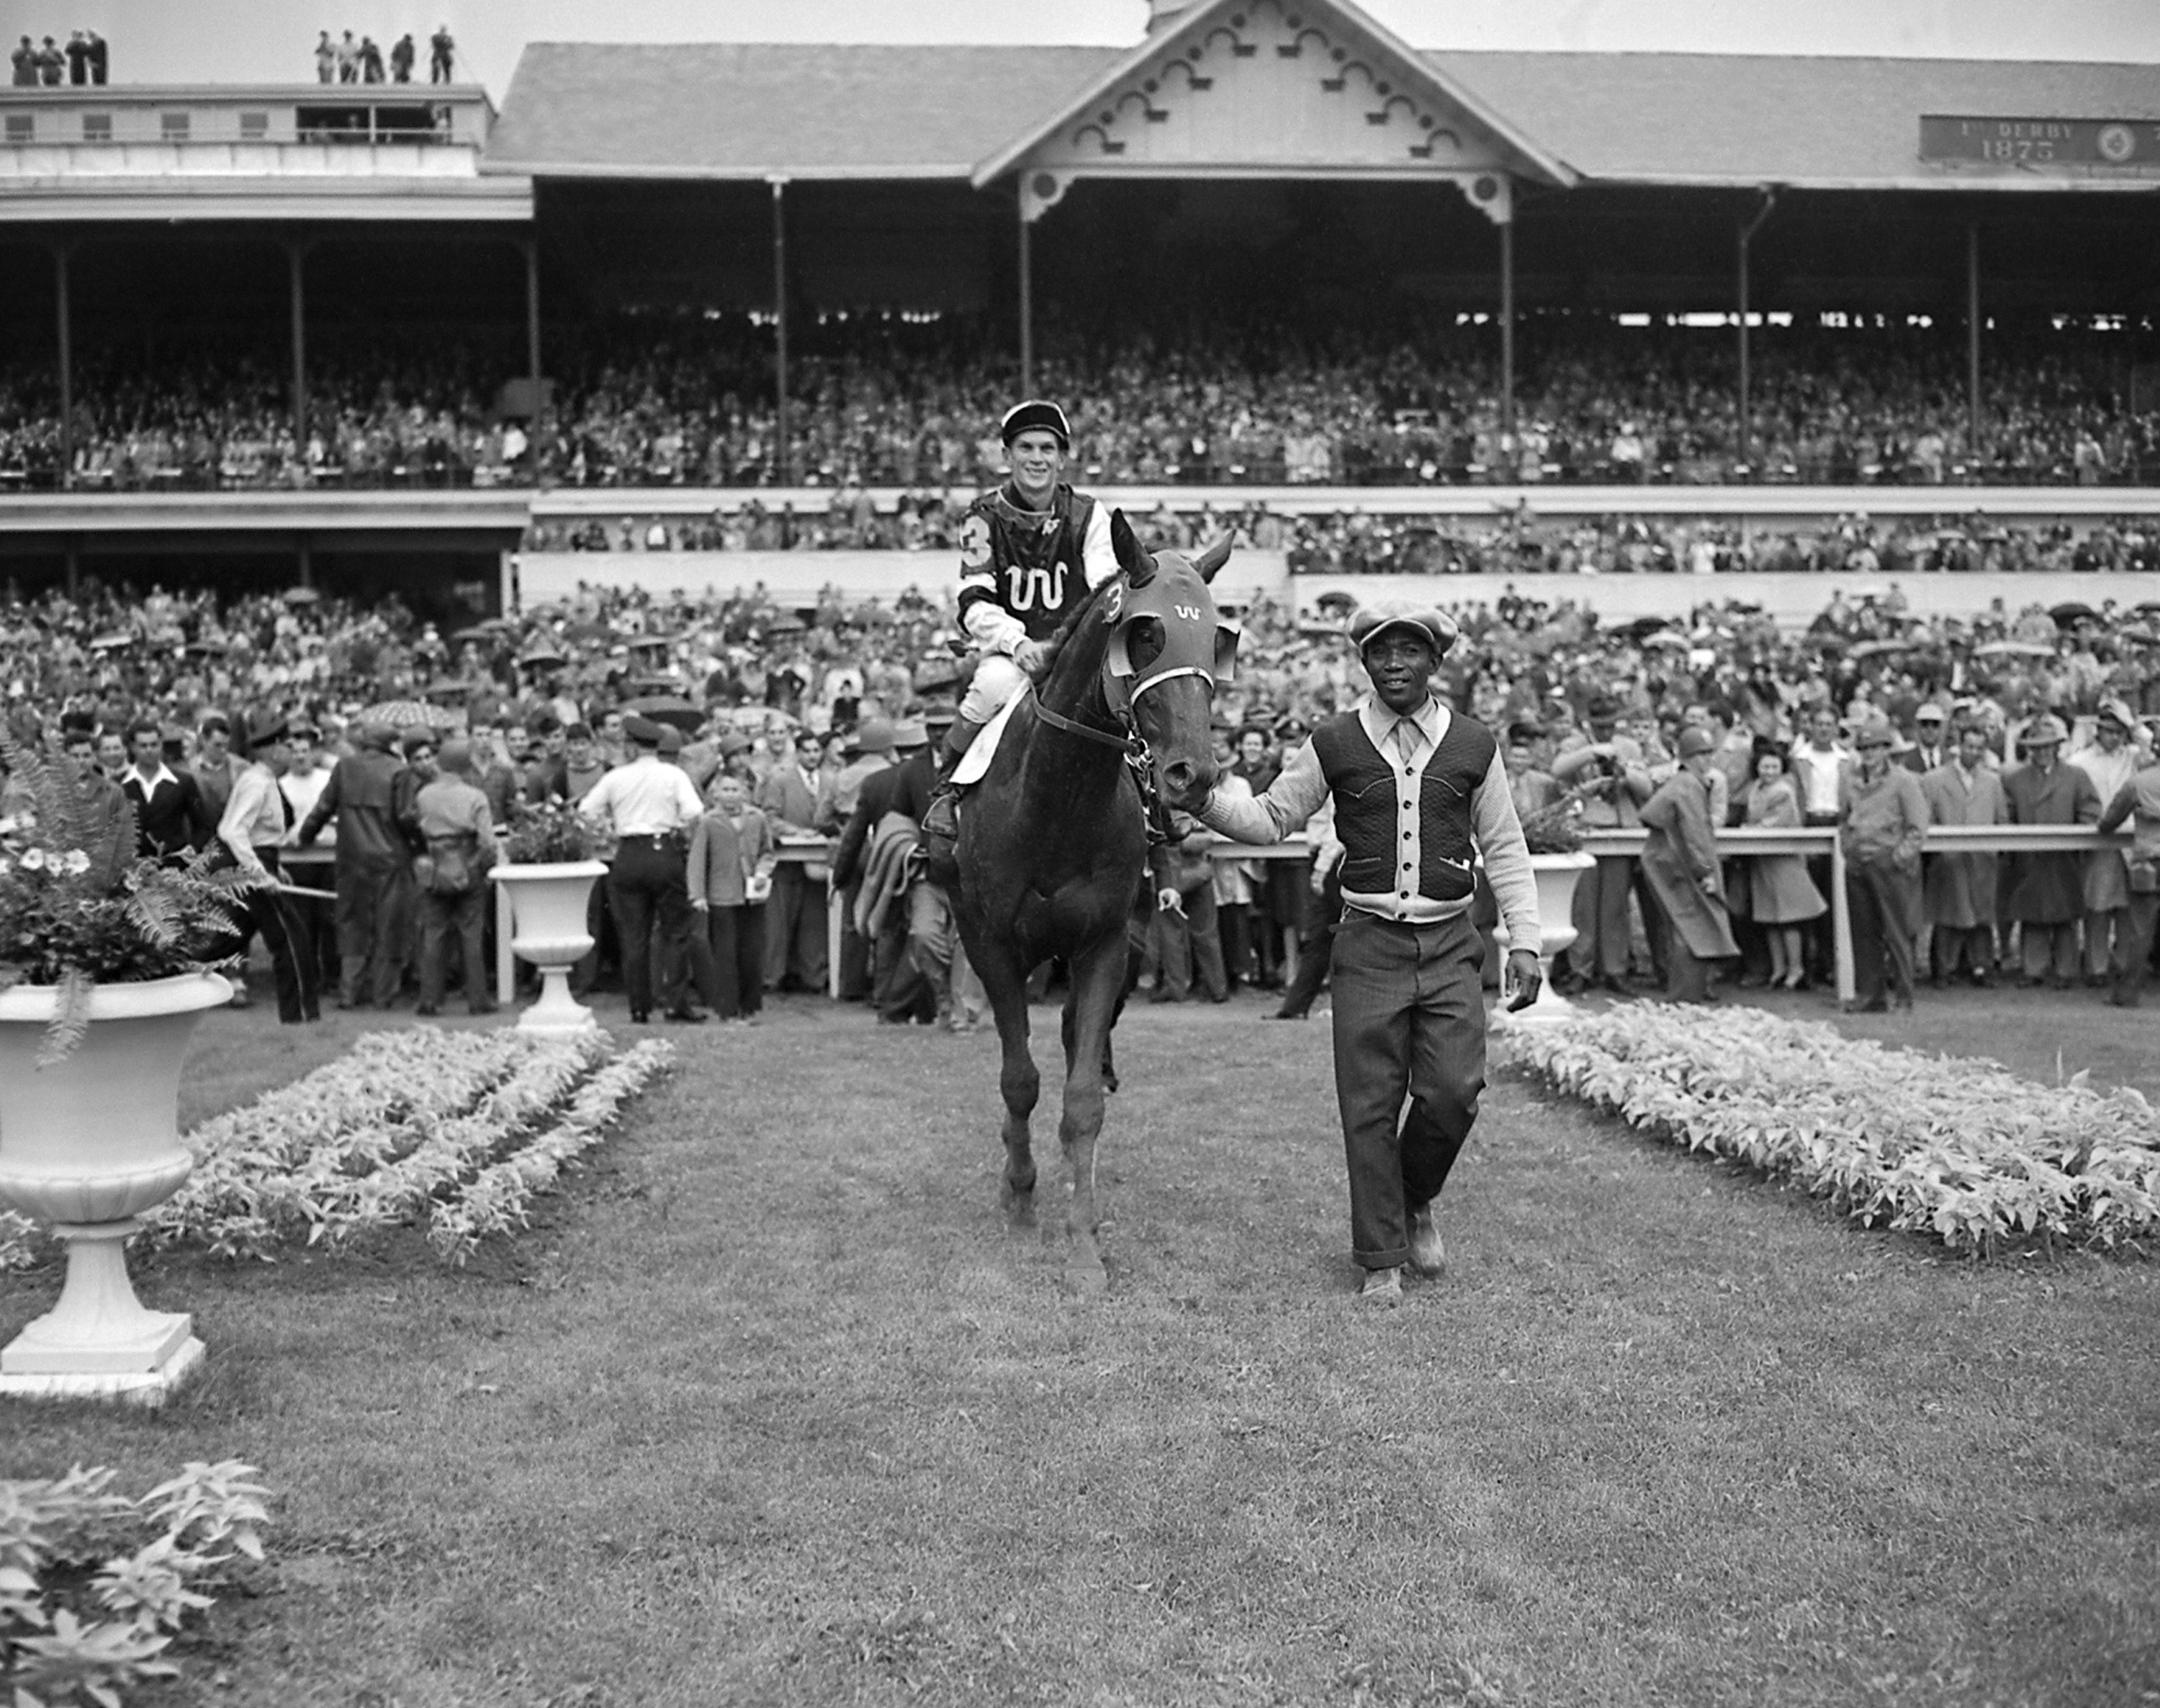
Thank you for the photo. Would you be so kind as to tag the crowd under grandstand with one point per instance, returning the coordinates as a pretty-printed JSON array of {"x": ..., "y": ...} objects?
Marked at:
[{"x": 1270, "y": 254}]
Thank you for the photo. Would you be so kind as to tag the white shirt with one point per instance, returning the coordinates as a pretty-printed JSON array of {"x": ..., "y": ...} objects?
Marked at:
[
  {"x": 1302, "y": 790},
  {"x": 643, "y": 798},
  {"x": 254, "y": 817}
]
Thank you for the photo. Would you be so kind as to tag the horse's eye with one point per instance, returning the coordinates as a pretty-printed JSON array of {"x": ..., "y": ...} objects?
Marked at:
[{"x": 1144, "y": 642}]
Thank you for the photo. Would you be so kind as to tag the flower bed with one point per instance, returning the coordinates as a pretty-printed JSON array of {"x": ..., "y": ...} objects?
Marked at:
[
  {"x": 92, "y": 1583},
  {"x": 1960, "y": 1149},
  {"x": 456, "y": 1129}
]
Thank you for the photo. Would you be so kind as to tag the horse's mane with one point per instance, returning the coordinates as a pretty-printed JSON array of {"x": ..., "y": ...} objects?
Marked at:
[{"x": 1055, "y": 646}]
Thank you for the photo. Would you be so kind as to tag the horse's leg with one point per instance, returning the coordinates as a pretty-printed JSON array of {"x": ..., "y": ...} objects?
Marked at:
[
  {"x": 1097, "y": 974},
  {"x": 1004, "y": 982}
]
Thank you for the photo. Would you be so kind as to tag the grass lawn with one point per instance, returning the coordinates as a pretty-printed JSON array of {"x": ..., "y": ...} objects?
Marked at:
[{"x": 769, "y": 1408}]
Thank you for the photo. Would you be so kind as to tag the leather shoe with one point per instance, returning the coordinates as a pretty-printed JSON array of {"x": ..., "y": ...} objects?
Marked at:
[
  {"x": 1381, "y": 1287},
  {"x": 686, "y": 1017},
  {"x": 1428, "y": 1250}
]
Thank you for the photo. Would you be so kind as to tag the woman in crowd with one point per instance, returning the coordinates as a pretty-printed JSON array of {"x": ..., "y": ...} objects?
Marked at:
[
  {"x": 1782, "y": 897},
  {"x": 1679, "y": 862}
]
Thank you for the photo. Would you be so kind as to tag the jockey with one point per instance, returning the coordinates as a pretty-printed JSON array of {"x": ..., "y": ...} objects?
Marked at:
[{"x": 1029, "y": 553}]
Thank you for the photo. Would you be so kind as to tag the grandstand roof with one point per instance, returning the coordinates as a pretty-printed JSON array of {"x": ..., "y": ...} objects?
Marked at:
[
  {"x": 577, "y": 110},
  {"x": 886, "y": 113}
]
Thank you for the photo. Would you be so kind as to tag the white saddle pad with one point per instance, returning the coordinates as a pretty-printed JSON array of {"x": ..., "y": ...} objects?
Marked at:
[{"x": 977, "y": 759}]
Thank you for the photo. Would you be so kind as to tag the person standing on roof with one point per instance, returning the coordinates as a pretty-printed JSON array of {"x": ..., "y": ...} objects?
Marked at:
[{"x": 1029, "y": 553}]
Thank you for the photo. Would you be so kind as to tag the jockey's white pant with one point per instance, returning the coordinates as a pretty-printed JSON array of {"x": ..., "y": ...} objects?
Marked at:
[{"x": 997, "y": 679}]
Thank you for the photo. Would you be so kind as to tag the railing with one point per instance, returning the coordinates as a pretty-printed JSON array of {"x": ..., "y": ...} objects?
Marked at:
[
  {"x": 1821, "y": 841},
  {"x": 1815, "y": 841}
]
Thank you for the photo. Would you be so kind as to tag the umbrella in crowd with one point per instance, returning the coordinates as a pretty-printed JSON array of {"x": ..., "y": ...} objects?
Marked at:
[
  {"x": 403, "y": 714},
  {"x": 1878, "y": 649},
  {"x": 2013, "y": 649},
  {"x": 666, "y": 709},
  {"x": 2071, "y": 610},
  {"x": 300, "y": 595}
]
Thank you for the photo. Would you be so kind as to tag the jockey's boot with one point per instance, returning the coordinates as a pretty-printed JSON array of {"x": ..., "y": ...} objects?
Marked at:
[{"x": 941, "y": 818}]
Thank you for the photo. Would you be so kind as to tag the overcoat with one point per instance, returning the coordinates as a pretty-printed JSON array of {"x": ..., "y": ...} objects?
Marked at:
[
  {"x": 1961, "y": 887},
  {"x": 2048, "y": 889},
  {"x": 1681, "y": 851}
]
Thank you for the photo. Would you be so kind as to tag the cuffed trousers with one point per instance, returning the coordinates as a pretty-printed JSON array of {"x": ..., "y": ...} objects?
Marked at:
[{"x": 1409, "y": 1022}]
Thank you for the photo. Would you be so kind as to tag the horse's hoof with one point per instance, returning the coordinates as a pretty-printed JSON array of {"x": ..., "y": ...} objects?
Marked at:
[
  {"x": 1019, "y": 1207},
  {"x": 1084, "y": 1273},
  {"x": 1109, "y": 1081}
]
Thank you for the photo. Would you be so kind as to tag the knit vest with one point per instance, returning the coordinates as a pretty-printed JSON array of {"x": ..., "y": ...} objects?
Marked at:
[{"x": 1367, "y": 814}]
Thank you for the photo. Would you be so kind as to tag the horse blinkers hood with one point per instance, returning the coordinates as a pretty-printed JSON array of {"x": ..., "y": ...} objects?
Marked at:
[{"x": 1163, "y": 589}]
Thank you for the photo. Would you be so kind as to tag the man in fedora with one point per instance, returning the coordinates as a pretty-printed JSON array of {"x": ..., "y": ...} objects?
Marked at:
[
  {"x": 1419, "y": 790},
  {"x": 2110, "y": 761},
  {"x": 652, "y": 808},
  {"x": 2047, "y": 890},
  {"x": 1883, "y": 819}
]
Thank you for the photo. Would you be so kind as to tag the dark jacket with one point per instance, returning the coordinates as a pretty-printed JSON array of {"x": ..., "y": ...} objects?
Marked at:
[
  {"x": 173, "y": 819},
  {"x": 361, "y": 795}
]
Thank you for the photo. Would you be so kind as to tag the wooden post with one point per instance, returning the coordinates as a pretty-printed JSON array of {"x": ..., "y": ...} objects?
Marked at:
[
  {"x": 532, "y": 248},
  {"x": 295, "y": 267},
  {"x": 1972, "y": 337},
  {"x": 1508, "y": 338},
  {"x": 783, "y": 456},
  {"x": 1840, "y": 916},
  {"x": 1744, "y": 442},
  {"x": 67, "y": 385},
  {"x": 1026, "y": 308}
]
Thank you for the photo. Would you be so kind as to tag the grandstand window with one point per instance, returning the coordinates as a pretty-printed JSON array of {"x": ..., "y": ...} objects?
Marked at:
[
  {"x": 21, "y": 127},
  {"x": 1631, "y": 320},
  {"x": 97, "y": 127},
  {"x": 254, "y": 125},
  {"x": 173, "y": 126}
]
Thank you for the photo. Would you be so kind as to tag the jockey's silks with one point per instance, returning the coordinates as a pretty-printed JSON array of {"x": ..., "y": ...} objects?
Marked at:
[{"x": 1027, "y": 563}]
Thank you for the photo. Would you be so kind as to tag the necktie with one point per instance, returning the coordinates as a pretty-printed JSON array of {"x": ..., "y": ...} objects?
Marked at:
[{"x": 1406, "y": 740}]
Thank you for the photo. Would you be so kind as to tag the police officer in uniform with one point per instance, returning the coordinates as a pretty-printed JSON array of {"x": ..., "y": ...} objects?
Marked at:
[
  {"x": 1419, "y": 790},
  {"x": 650, "y": 807},
  {"x": 1029, "y": 553}
]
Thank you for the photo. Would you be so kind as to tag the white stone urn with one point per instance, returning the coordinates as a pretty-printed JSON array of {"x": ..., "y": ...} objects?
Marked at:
[
  {"x": 548, "y": 914},
  {"x": 1557, "y": 876},
  {"x": 87, "y": 1144}
]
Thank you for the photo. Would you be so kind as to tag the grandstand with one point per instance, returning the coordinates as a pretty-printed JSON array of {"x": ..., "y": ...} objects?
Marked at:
[{"x": 1252, "y": 179}]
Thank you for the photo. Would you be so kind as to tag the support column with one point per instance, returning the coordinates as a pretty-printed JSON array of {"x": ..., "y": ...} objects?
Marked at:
[
  {"x": 783, "y": 457},
  {"x": 1972, "y": 338},
  {"x": 532, "y": 247},
  {"x": 67, "y": 384},
  {"x": 1508, "y": 338},
  {"x": 1027, "y": 308},
  {"x": 295, "y": 268},
  {"x": 305, "y": 565},
  {"x": 1745, "y": 446}
]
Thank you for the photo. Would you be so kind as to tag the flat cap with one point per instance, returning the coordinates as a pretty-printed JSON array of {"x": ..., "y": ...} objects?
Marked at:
[
  {"x": 642, "y": 730},
  {"x": 1428, "y": 622}
]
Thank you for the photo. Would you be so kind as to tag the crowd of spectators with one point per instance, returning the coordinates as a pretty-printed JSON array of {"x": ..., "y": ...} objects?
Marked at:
[
  {"x": 346, "y": 60},
  {"x": 84, "y": 60},
  {"x": 757, "y": 687},
  {"x": 883, "y": 400}
]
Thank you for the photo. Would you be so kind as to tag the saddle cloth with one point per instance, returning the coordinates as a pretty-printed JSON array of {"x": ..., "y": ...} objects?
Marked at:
[{"x": 977, "y": 759}]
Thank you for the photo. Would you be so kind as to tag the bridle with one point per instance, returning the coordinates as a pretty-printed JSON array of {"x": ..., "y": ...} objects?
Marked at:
[{"x": 1123, "y": 682}]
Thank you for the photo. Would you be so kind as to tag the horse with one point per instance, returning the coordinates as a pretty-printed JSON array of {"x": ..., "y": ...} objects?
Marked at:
[{"x": 1053, "y": 845}]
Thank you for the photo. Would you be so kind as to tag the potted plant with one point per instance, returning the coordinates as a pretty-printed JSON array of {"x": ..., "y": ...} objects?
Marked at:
[
  {"x": 1554, "y": 835},
  {"x": 107, "y": 960},
  {"x": 549, "y": 861}
]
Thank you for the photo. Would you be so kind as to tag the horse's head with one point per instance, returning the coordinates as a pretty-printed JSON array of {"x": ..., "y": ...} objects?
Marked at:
[{"x": 1168, "y": 650}]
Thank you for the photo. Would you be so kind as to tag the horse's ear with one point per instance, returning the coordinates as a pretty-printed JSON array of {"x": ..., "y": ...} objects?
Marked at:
[
  {"x": 1213, "y": 559},
  {"x": 1138, "y": 564}
]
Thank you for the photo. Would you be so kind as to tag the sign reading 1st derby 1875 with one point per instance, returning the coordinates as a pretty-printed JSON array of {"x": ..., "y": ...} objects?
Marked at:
[{"x": 2041, "y": 144}]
